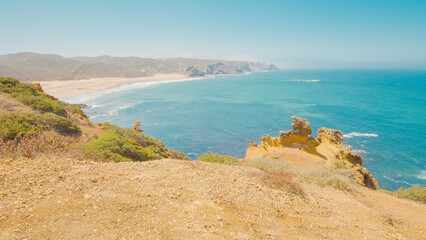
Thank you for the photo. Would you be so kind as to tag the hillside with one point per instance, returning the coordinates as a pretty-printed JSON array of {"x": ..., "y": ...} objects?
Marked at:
[
  {"x": 36, "y": 67},
  {"x": 57, "y": 197},
  {"x": 32, "y": 122},
  {"x": 62, "y": 176}
]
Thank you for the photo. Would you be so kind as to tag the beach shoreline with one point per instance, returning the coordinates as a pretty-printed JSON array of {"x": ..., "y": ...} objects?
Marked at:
[{"x": 71, "y": 88}]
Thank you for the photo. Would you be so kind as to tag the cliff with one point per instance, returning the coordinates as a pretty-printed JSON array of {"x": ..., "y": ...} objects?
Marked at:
[
  {"x": 300, "y": 149},
  {"x": 64, "y": 177},
  {"x": 33, "y": 123}
]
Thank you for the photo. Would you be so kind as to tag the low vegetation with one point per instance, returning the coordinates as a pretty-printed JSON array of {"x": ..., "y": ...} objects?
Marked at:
[
  {"x": 217, "y": 158},
  {"x": 77, "y": 111},
  {"x": 29, "y": 147},
  {"x": 280, "y": 174},
  {"x": 279, "y": 179},
  {"x": 114, "y": 147},
  {"x": 14, "y": 126},
  {"x": 416, "y": 193},
  {"x": 125, "y": 145},
  {"x": 328, "y": 176},
  {"x": 273, "y": 173},
  {"x": 30, "y": 96}
]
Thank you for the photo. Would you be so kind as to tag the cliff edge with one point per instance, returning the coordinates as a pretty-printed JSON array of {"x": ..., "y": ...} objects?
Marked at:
[{"x": 299, "y": 148}]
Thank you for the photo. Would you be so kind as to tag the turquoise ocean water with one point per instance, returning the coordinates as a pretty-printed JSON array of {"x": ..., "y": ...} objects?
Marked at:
[{"x": 381, "y": 113}]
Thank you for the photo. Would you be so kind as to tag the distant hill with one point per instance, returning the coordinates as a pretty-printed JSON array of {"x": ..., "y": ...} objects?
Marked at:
[
  {"x": 32, "y": 66},
  {"x": 28, "y": 66}
]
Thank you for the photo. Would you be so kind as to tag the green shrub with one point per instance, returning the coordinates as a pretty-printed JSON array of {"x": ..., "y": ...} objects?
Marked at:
[
  {"x": 217, "y": 158},
  {"x": 177, "y": 155},
  {"x": 29, "y": 96},
  {"x": 125, "y": 144},
  {"x": 156, "y": 147},
  {"x": 78, "y": 111},
  {"x": 416, "y": 193},
  {"x": 114, "y": 147},
  {"x": 73, "y": 109},
  {"x": 15, "y": 126}
]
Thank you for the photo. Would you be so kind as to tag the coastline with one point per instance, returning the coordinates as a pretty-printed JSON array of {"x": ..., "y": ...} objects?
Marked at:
[
  {"x": 67, "y": 89},
  {"x": 79, "y": 91}
]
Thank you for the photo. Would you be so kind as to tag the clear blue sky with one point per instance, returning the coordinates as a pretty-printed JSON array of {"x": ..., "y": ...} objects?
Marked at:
[{"x": 292, "y": 34}]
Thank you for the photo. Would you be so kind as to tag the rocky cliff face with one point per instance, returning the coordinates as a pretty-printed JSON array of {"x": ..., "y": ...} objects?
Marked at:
[
  {"x": 227, "y": 67},
  {"x": 327, "y": 148}
]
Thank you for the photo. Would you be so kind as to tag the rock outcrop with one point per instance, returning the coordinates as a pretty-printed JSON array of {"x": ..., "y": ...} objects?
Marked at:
[
  {"x": 137, "y": 126},
  {"x": 331, "y": 146},
  {"x": 38, "y": 87},
  {"x": 300, "y": 136},
  {"x": 298, "y": 143}
]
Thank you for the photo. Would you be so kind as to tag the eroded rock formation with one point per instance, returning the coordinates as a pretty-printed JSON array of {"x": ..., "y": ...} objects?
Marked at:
[
  {"x": 331, "y": 146},
  {"x": 137, "y": 126},
  {"x": 38, "y": 87},
  {"x": 327, "y": 148},
  {"x": 300, "y": 136}
]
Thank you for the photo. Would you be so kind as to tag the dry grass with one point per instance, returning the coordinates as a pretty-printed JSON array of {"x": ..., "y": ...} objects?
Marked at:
[
  {"x": 324, "y": 176},
  {"x": 276, "y": 174},
  {"x": 271, "y": 165},
  {"x": 279, "y": 179},
  {"x": 329, "y": 176},
  {"x": 29, "y": 147}
]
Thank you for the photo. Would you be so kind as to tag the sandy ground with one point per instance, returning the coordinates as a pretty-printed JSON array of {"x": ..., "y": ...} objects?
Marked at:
[
  {"x": 70, "y": 88},
  {"x": 64, "y": 198}
]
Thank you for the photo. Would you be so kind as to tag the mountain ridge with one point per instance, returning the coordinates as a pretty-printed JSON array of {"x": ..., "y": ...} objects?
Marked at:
[{"x": 28, "y": 66}]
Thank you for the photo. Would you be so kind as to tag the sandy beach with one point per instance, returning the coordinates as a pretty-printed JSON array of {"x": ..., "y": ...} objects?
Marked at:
[{"x": 69, "y": 88}]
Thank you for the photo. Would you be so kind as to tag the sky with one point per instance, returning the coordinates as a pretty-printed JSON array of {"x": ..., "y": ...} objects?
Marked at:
[{"x": 291, "y": 34}]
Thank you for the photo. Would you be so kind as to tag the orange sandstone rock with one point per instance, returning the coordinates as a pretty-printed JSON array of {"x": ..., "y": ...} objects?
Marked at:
[
  {"x": 300, "y": 149},
  {"x": 137, "y": 126},
  {"x": 331, "y": 146}
]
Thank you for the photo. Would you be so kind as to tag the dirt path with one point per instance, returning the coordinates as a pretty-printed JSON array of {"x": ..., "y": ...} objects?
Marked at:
[{"x": 52, "y": 198}]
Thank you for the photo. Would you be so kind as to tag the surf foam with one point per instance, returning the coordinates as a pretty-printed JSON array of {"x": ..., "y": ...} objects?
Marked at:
[{"x": 358, "y": 134}]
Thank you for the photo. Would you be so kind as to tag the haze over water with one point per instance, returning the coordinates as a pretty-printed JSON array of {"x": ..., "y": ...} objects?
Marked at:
[{"x": 381, "y": 113}]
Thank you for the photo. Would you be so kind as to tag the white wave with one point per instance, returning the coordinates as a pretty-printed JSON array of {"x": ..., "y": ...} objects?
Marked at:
[
  {"x": 421, "y": 175},
  {"x": 94, "y": 105},
  {"x": 399, "y": 180},
  {"x": 358, "y": 134},
  {"x": 304, "y": 80},
  {"x": 358, "y": 151}
]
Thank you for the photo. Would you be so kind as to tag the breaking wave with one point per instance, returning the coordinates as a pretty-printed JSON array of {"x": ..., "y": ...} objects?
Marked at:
[
  {"x": 421, "y": 175},
  {"x": 357, "y": 134}
]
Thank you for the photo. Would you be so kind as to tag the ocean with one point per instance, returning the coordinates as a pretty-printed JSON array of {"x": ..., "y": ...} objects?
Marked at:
[{"x": 382, "y": 114}]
